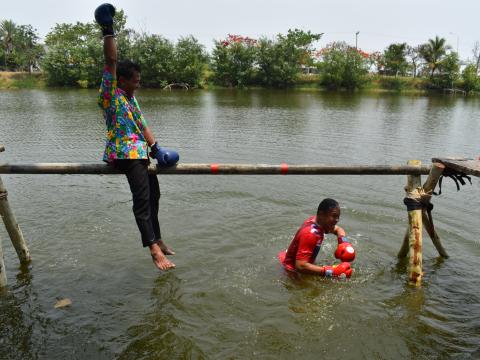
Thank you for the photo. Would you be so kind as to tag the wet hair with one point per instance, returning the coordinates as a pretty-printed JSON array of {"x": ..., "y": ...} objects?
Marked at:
[
  {"x": 326, "y": 205},
  {"x": 126, "y": 69}
]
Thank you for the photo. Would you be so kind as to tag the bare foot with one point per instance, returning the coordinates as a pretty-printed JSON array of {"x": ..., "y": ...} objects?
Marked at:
[
  {"x": 159, "y": 259},
  {"x": 165, "y": 249}
]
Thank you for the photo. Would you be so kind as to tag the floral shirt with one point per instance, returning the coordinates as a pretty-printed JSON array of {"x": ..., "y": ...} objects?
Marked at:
[{"x": 124, "y": 121}]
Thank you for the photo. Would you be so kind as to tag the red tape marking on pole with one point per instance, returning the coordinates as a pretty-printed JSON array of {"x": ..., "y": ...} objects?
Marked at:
[
  {"x": 214, "y": 169},
  {"x": 284, "y": 168}
]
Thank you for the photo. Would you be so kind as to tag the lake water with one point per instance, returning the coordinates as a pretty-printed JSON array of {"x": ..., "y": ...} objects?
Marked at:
[{"x": 228, "y": 298}]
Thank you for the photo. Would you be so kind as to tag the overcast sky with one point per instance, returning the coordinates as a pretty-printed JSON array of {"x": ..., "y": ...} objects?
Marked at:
[{"x": 379, "y": 22}]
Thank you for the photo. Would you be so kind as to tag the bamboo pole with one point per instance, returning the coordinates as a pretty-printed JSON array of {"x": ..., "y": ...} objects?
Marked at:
[
  {"x": 3, "y": 274},
  {"x": 435, "y": 173},
  {"x": 414, "y": 189},
  {"x": 405, "y": 246},
  {"x": 219, "y": 169},
  {"x": 12, "y": 227},
  {"x": 434, "y": 236}
]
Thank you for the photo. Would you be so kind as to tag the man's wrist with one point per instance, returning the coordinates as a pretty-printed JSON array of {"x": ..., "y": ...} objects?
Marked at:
[{"x": 107, "y": 31}]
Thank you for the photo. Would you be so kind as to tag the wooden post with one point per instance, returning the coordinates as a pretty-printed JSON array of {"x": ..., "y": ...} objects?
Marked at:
[
  {"x": 434, "y": 236},
  {"x": 414, "y": 190},
  {"x": 404, "y": 249},
  {"x": 3, "y": 274},
  {"x": 12, "y": 227},
  {"x": 435, "y": 172}
]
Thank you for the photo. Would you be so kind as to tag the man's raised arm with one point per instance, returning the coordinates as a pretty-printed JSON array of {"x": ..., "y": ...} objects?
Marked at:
[{"x": 104, "y": 16}]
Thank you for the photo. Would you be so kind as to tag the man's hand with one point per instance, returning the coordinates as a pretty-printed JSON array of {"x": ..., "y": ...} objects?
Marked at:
[
  {"x": 104, "y": 16},
  {"x": 345, "y": 252},
  {"x": 338, "y": 270},
  {"x": 165, "y": 157}
]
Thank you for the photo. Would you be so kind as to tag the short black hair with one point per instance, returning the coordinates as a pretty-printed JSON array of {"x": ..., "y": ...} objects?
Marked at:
[
  {"x": 327, "y": 204},
  {"x": 126, "y": 69}
]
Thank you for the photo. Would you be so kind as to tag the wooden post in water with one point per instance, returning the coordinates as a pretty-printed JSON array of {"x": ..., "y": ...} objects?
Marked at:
[
  {"x": 435, "y": 172},
  {"x": 3, "y": 274},
  {"x": 414, "y": 192},
  {"x": 424, "y": 196},
  {"x": 11, "y": 224}
]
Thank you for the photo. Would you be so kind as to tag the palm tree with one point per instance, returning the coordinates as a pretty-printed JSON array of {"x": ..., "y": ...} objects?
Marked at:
[
  {"x": 433, "y": 52},
  {"x": 7, "y": 29}
]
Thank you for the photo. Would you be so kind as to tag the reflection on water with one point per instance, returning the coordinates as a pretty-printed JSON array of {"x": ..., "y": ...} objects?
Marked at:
[{"x": 228, "y": 297}]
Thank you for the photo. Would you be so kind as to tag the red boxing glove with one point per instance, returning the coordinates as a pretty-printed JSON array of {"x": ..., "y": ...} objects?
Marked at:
[
  {"x": 338, "y": 270},
  {"x": 345, "y": 252}
]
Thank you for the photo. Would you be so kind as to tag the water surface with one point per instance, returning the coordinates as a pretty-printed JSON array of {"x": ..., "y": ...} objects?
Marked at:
[{"x": 228, "y": 297}]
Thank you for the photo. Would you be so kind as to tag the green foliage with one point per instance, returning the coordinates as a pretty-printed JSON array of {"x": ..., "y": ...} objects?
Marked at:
[
  {"x": 20, "y": 50},
  {"x": 342, "y": 66},
  {"x": 471, "y": 80},
  {"x": 279, "y": 61},
  {"x": 448, "y": 72},
  {"x": 395, "y": 61},
  {"x": 189, "y": 61},
  {"x": 433, "y": 53},
  {"x": 74, "y": 54},
  {"x": 155, "y": 55},
  {"x": 233, "y": 61}
]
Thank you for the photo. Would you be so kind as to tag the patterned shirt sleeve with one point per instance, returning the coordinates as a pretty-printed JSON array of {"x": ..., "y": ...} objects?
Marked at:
[
  {"x": 107, "y": 89},
  {"x": 141, "y": 122}
]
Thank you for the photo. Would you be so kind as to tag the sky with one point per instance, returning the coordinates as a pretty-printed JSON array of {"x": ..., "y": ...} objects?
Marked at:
[{"x": 379, "y": 23}]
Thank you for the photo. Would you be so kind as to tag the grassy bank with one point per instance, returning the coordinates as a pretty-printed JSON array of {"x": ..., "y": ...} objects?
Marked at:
[
  {"x": 21, "y": 80},
  {"x": 387, "y": 84}
]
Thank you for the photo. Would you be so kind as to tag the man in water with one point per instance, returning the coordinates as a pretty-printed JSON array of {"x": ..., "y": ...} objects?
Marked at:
[
  {"x": 128, "y": 138},
  {"x": 306, "y": 244}
]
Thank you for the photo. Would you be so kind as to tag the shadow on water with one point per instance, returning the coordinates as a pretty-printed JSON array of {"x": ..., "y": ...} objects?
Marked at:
[
  {"x": 17, "y": 325},
  {"x": 154, "y": 336}
]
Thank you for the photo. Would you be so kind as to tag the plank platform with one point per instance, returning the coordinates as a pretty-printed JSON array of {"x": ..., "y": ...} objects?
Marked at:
[{"x": 466, "y": 166}]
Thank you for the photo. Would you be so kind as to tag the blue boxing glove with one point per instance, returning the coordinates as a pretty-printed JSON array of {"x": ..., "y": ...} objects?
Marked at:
[
  {"x": 104, "y": 16},
  {"x": 165, "y": 157}
]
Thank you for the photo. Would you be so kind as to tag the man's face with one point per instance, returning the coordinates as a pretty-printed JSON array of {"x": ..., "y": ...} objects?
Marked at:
[
  {"x": 130, "y": 85},
  {"x": 328, "y": 220}
]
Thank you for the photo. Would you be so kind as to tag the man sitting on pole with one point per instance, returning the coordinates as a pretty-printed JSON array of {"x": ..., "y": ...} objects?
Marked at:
[{"x": 128, "y": 138}]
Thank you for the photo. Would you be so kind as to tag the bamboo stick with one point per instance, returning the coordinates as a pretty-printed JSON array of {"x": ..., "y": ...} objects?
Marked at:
[
  {"x": 413, "y": 190},
  {"x": 12, "y": 227},
  {"x": 3, "y": 274},
  {"x": 405, "y": 246},
  {"x": 435, "y": 172},
  {"x": 434, "y": 236},
  {"x": 220, "y": 169}
]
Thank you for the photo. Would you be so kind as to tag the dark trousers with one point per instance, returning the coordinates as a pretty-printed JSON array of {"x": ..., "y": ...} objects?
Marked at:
[{"x": 146, "y": 195}]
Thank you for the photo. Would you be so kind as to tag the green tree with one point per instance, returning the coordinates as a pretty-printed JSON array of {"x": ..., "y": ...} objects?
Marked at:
[
  {"x": 155, "y": 56},
  {"x": 233, "y": 61},
  {"x": 75, "y": 55},
  {"x": 414, "y": 54},
  {"x": 7, "y": 31},
  {"x": 433, "y": 53},
  {"x": 395, "y": 60},
  {"x": 449, "y": 71},
  {"x": 279, "y": 62},
  {"x": 343, "y": 66},
  {"x": 28, "y": 51},
  {"x": 189, "y": 61},
  {"x": 471, "y": 80}
]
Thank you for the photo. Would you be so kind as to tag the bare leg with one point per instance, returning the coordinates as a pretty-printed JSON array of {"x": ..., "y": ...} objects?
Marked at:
[
  {"x": 159, "y": 258},
  {"x": 165, "y": 249}
]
